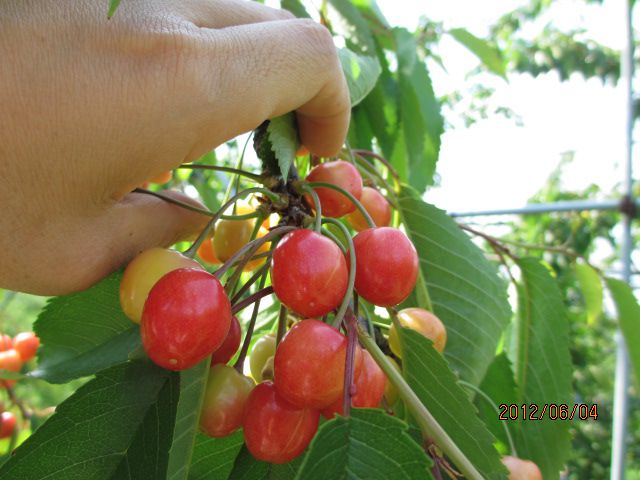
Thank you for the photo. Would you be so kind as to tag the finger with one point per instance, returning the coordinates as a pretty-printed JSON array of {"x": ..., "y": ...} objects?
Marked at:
[
  {"x": 273, "y": 68},
  {"x": 91, "y": 249},
  {"x": 225, "y": 13}
]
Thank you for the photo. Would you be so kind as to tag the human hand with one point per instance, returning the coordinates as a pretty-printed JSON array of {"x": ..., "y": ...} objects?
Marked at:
[{"x": 92, "y": 107}]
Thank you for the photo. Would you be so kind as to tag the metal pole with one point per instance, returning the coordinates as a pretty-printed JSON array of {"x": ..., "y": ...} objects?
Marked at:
[
  {"x": 620, "y": 394},
  {"x": 535, "y": 208}
]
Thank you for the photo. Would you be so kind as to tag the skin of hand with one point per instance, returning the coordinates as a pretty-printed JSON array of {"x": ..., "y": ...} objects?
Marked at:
[{"x": 90, "y": 108}]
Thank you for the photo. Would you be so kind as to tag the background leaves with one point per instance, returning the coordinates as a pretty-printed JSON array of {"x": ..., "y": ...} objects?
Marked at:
[
  {"x": 84, "y": 333},
  {"x": 465, "y": 290}
]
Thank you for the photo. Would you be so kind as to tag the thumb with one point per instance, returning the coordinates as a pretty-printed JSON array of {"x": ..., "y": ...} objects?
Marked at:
[{"x": 128, "y": 227}]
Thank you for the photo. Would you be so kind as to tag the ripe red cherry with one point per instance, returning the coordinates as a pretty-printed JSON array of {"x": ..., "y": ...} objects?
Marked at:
[
  {"x": 369, "y": 388},
  {"x": 275, "y": 431},
  {"x": 6, "y": 342},
  {"x": 342, "y": 174},
  {"x": 26, "y": 344},
  {"x": 229, "y": 347},
  {"x": 375, "y": 205},
  {"x": 309, "y": 273},
  {"x": 224, "y": 399},
  {"x": 185, "y": 318},
  {"x": 309, "y": 364},
  {"x": 386, "y": 265},
  {"x": 520, "y": 469},
  {"x": 7, "y": 425},
  {"x": 10, "y": 360}
]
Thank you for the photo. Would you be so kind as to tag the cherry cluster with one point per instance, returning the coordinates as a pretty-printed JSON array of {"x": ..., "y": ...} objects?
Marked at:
[
  {"x": 14, "y": 353},
  {"x": 316, "y": 368}
]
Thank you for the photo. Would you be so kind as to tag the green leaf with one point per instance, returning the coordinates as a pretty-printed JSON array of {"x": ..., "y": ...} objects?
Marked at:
[
  {"x": 192, "y": 385},
  {"x": 213, "y": 458},
  {"x": 542, "y": 366},
  {"x": 500, "y": 386},
  {"x": 360, "y": 38},
  {"x": 296, "y": 7},
  {"x": 422, "y": 123},
  {"x": 489, "y": 55},
  {"x": 283, "y": 136},
  {"x": 84, "y": 333},
  {"x": 591, "y": 287},
  {"x": 113, "y": 6},
  {"x": 428, "y": 374},
  {"x": 628, "y": 319},
  {"x": 370, "y": 444},
  {"x": 464, "y": 287},
  {"x": 118, "y": 426},
  {"x": 248, "y": 468},
  {"x": 361, "y": 73}
]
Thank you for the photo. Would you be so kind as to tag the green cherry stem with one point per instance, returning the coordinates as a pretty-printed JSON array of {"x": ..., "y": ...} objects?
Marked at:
[
  {"x": 495, "y": 408},
  {"x": 251, "y": 247},
  {"x": 254, "y": 278},
  {"x": 168, "y": 199},
  {"x": 191, "y": 252},
  {"x": 384, "y": 161},
  {"x": 352, "y": 269},
  {"x": 256, "y": 297},
  {"x": 352, "y": 340},
  {"x": 232, "y": 282},
  {"x": 427, "y": 423},
  {"x": 250, "y": 328},
  {"x": 282, "y": 323},
  {"x": 317, "y": 206},
  {"x": 330, "y": 235},
  {"x": 218, "y": 168},
  {"x": 353, "y": 199}
]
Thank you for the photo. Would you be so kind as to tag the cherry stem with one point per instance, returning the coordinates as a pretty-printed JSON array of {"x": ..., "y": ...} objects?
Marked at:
[
  {"x": 256, "y": 297},
  {"x": 254, "y": 278},
  {"x": 495, "y": 408},
  {"x": 317, "y": 206},
  {"x": 384, "y": 161},
  {"x": 353, "y": 199},
  {"x": 252, "y": 247},
  {"x": 282, "y": 323},
  {"x": 427, "y": 423},
  {"x": 252, "y": 176},
  {"x": 329, "y": 234},
  {"x": 168, "y": 199},
  {"x": 352, "y": 269},
  {"x": 352, "y": 339},
  {"x": 367, "y": 166},
  {"x": 248, "y": 257},
  {"x": 191, "y": 251},
  {"x": 250, "y": 328}
]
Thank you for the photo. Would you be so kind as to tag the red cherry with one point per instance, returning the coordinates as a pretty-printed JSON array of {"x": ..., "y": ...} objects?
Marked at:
[
  {"x": 7, "y": 424},
  {"x": 224, "y": 399},
  {"x": 309, "y": 364},
  {"x": 229, "y": 347},
  {"x": 375, "y": 205},
  {"x": 386, "y": 265},
  {"x": 185, "y": 318},
  {"x": 26, "y": 344},
  {"x": 274, "y": 430},
  {"x": 342, "y": 174},
  {"x": 10, "y": 360},
  {"x": 369, "y": 388},
  {"x": 6, "y": 342},
  {"x": 309, "y": 273}
]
